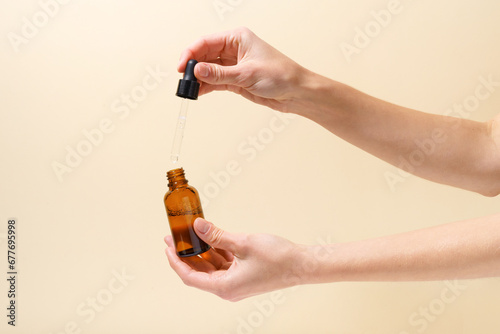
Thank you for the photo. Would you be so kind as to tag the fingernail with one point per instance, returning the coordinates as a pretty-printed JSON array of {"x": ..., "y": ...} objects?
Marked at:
[
  {"x": 202, "y": 225},
  {"x": 203, "y": 70}
]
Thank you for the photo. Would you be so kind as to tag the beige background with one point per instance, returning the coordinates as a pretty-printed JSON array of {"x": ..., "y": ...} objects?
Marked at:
[{"x": 107, "y": 215}]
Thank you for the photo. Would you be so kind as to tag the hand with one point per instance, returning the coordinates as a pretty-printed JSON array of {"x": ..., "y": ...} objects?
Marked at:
[
  {"x": 238, "y": 265},
  {"x": 241, "y": 62}
]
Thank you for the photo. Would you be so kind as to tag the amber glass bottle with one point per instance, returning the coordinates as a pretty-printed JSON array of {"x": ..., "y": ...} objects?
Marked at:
[{"x": 183, "y": 207}]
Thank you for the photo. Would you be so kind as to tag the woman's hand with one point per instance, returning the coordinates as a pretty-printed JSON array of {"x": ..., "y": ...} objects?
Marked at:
[
  {"x": 238, "y": 265},
  {"x": 241, "y": 62}
]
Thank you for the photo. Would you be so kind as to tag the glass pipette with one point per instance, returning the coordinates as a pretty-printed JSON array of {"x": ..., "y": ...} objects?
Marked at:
[
  {"x": 179, "y": 131},
  {"x": 187, "y": 89}
]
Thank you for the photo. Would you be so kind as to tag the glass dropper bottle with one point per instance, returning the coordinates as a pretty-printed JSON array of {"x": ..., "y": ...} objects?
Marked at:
[
  {"x": 188, "y": 90},
  {"x": 183, "y": 206}
]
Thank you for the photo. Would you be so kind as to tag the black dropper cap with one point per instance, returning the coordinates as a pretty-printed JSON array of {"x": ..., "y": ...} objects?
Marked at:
[{"x": 188, "y": 86}]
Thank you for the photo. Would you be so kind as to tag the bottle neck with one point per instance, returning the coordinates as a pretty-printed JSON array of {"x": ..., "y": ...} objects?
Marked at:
[{"x": 176, "y": 178}]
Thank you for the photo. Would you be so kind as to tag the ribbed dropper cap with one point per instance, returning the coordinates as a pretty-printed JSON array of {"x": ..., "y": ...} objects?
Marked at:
[{"x": 188, "y": 86}]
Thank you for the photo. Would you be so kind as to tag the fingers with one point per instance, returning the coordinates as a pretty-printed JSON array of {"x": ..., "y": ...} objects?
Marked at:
[
  {"x": 169, "y": 241},
  {"x": 213, "y": 259},
  {"x": 216, "y": 260},
  {"x": 228, "y": 256},
  {"x": 207, "y": 88},
  {"x": 218, "y": 47},
  {"x": 199, "y": 264},
  {"x": 209, "y": 271},
  {"x": 210, "y": 280},
  {"x": 215, "y": 74},
  {"x": 216, "y": 237},
  {"x": 188, "y": 275}
]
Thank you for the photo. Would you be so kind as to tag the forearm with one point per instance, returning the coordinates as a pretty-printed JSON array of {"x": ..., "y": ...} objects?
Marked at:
[
  {"x": 443, "y": 149},
  {"x": 461, "y": 250}
]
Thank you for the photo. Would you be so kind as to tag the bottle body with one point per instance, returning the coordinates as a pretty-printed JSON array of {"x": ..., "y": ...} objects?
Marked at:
[{"x": 183, "y": 206}]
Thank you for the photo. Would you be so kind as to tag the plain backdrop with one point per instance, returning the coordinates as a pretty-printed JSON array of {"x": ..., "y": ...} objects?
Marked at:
[{"x": 97, "y": 78}]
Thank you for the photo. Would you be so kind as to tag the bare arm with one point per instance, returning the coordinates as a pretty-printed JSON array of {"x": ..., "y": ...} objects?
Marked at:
[
  {"x": 444, "y": 149},
  {"x": 243, "y": 265},
  {"x": 460, "y": 250},
  {"x": 456, "y": 152}
]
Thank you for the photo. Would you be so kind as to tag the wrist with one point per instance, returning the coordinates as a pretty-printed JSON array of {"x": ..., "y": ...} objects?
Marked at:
[
  {"x": 318, "y": 98},
  {"x": 314, "y": 264}
]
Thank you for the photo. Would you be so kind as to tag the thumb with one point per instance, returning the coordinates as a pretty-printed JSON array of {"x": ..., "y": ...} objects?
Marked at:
[
  {"x": 215, "y": 236},
  {"x": 217, "y": 74}
]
